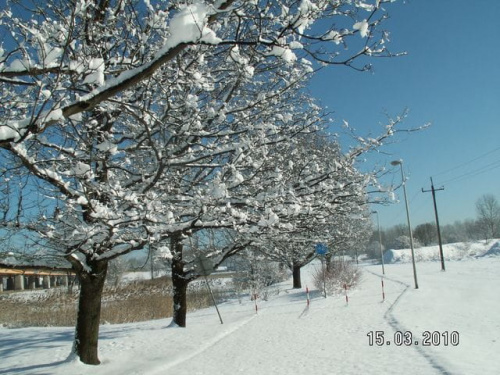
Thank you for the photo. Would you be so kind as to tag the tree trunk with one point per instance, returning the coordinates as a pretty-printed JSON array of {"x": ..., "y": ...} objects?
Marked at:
[
  {"x": 297, "y": 284},
  {"x": 328, "y": 261},
  {"x": 89, "y": 313},
  {"x": 180, "y": 298},
  {"x": 179, "y": 282}
]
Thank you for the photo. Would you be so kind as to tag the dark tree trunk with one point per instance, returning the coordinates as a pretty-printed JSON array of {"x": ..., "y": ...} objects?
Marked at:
[
  {"x": 329, "y": 265},
  {"x": 180, "y": 283},
  {"x": 89, "y": 313},
  {"x": 297, "y": 284},
  {"x": 180, "y": 298}
]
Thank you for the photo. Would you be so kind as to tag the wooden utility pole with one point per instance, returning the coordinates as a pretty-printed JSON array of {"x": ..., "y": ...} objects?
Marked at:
[{"x": 433, "y": 190}]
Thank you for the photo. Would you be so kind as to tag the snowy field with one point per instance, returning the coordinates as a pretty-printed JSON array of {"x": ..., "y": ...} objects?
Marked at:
[{"x": 287, "y": 337}]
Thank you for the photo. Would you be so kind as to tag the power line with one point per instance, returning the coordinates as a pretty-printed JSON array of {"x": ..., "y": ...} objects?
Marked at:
[
  {"x": 474, "y": 172},
  {"x": 467, "y": 162},
  {"x": 471, "y": 173}
]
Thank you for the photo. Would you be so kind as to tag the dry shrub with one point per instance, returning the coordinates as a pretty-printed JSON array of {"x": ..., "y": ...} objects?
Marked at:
[
  {"x": 137, "y": 301},
  {"x": 336, "y": 275},
  {"x": 37, "y": 309},
  {"x": 134, "y": 302}
]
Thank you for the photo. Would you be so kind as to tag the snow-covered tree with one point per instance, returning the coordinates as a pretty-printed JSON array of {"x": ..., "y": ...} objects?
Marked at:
[
  {"x": 349, "y": 234},
  {"x": 322, "y": 199},
  {"x": 137, "y": 122},
  {"x": 214, "y": 159},
  {"x": 403, "y": 242}
]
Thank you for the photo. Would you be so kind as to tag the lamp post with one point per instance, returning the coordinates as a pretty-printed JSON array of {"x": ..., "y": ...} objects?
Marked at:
[
  {"x": 400, "y": 163},
  {"x": 380, "y": 242}
]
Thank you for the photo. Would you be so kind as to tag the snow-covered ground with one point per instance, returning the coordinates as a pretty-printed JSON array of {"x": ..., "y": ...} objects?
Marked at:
[
  {"x": 287, "y": 337},
  {"x": 140, "y": 275},
  {"x": 452, "y": 251}
]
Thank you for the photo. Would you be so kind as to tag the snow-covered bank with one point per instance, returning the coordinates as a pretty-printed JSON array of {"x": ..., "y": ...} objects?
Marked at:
[
  {"x": 452, "y": 251},
  {"x": 287, "y": 337}
]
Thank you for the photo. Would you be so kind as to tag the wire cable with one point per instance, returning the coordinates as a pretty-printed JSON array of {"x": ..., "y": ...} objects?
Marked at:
[
  {"x": 474, "y": 172},
  {"x": 467, "y": 162}
]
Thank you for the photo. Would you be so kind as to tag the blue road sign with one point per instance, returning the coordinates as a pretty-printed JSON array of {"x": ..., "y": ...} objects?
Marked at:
[{"x": 321, "y": 249}]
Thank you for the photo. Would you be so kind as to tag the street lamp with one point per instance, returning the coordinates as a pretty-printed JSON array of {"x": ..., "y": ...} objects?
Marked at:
[
  {"x": 400, "y": 163},
  {"x": 380, "y": 242}
]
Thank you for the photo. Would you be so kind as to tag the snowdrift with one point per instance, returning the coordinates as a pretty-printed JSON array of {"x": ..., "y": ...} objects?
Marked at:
[{"x": 453, "y": 251}]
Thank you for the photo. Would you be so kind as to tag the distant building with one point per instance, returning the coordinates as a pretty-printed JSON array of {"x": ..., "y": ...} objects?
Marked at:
[{"x": 20, "y": 273}]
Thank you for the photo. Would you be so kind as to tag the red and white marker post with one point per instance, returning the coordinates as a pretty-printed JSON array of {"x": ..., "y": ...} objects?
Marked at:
[
  {"x": 254, "y": 298},
  {"x": 383, "y": 291}
]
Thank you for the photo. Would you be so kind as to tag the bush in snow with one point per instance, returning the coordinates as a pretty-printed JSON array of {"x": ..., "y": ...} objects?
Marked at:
[
  {"x": 336, "y": 275},
  {"x": 257, "y": 277}
]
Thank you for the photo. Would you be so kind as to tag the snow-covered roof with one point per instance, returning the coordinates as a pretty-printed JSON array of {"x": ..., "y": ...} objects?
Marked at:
[{"x": 20, "y": 261}]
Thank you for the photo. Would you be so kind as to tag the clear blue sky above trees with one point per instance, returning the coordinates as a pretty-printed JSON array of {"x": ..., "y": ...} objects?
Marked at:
[{"x": 450, "y": 78}]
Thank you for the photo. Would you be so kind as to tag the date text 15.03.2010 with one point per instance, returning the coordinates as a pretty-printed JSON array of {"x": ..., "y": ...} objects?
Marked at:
[{"x": 407, "y": 338}]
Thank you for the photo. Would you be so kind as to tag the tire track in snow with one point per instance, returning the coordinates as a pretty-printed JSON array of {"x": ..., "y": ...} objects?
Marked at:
[
  {"x": 161, "y": 369},
  {"x": 273, "y": 305},
  {"x": 397, "y": 326}
]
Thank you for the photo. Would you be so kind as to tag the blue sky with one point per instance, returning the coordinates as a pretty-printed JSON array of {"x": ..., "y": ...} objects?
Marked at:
[{"x": 451, "y": 78}]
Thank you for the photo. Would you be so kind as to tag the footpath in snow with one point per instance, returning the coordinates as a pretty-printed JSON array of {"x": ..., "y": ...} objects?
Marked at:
[{"x": 287, "y": 337}]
